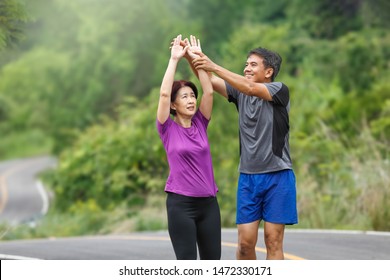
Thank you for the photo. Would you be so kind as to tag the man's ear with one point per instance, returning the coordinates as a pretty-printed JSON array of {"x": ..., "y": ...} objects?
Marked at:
[{"x": 269, "y": 72}]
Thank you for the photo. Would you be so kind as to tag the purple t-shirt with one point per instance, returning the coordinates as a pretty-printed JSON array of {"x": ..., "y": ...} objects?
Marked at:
[{"x": 189, "y": 158}]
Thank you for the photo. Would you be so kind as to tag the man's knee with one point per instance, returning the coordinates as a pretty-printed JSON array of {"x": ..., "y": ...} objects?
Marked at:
[
  {"x": 245, "y": 247},
  {"x": 247, "y": 239},
  {"x": 273, "y": 243},
  {"x": 273, "y": 238},
  {"x": 246, "y": 251}
]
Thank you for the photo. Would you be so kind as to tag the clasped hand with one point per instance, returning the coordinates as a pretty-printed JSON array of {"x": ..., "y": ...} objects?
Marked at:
[{"x": 180, "y": 48}]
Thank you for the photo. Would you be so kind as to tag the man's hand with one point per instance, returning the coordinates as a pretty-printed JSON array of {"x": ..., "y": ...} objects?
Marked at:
[{"x": 203, "y": 62}]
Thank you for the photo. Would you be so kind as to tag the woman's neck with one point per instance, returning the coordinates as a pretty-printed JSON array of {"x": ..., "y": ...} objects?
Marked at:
[{"x": 185, "y": 122}]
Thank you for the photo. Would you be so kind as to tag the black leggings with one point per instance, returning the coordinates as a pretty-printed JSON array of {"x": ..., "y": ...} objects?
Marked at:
[{"x": 194, "y": 221}]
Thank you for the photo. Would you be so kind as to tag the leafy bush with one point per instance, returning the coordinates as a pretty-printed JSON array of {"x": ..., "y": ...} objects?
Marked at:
[{"x": 112, "y": 163}]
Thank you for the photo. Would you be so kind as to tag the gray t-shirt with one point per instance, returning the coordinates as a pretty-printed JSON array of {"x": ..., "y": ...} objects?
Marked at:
[{"x": 264, "y": 129}]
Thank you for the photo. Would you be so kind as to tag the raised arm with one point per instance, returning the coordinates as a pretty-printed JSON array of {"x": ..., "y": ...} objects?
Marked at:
[
  {"x": 206, "y": 103},
  {"x": 237, "y": 81},
  {"x": 217, "y": 83},
  {"x": 164, "y": 103}
]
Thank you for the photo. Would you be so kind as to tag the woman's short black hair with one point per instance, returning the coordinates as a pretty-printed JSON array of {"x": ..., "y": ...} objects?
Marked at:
[{"x": 178, "y": 85}]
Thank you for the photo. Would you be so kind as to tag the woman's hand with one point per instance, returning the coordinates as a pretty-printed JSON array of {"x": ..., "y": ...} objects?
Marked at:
[
  {"x": 193, "y": 47},
  {"x": 177, "y": 49}
]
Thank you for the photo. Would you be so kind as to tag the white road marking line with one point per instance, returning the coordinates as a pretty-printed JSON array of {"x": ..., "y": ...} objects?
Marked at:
[
  {"x": 45, "y": 198},
  {"x": 15, "y": 257}
]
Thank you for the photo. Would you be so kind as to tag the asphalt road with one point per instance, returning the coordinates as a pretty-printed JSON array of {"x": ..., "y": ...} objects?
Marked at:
[
  {"x": 299, "y": 244},
  {"x": 23, "y": 199}
]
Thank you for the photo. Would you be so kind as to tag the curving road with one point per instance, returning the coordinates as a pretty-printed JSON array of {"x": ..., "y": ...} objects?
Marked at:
[{"x": 23, "y": 199}]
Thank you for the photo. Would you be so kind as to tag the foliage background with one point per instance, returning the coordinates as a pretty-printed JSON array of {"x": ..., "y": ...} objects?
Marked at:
[{"x": 80, "y": 79}]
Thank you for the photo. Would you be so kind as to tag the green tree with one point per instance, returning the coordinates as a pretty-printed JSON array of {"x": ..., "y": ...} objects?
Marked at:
[
  {"x": 375, "y": 13},
  {"x": 325, "y": 18},
  {"x": 13, "y": 16}
]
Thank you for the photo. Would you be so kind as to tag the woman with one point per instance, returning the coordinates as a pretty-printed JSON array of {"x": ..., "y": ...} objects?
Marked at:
[{"x": 192, "y": 207}]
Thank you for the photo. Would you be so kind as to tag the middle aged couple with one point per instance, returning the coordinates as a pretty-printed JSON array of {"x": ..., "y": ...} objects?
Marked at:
[{"x": 266, "y": 186}]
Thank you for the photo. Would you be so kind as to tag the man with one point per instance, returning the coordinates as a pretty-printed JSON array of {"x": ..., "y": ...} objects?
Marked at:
[{"x": 266, "y": 187}]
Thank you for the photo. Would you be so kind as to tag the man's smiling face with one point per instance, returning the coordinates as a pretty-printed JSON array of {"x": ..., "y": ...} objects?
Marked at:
[{"x": 255, "y": 71}]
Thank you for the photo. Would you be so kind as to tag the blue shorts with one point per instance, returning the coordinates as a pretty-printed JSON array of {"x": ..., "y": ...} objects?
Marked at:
[{"x": 270, "y": 197}]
